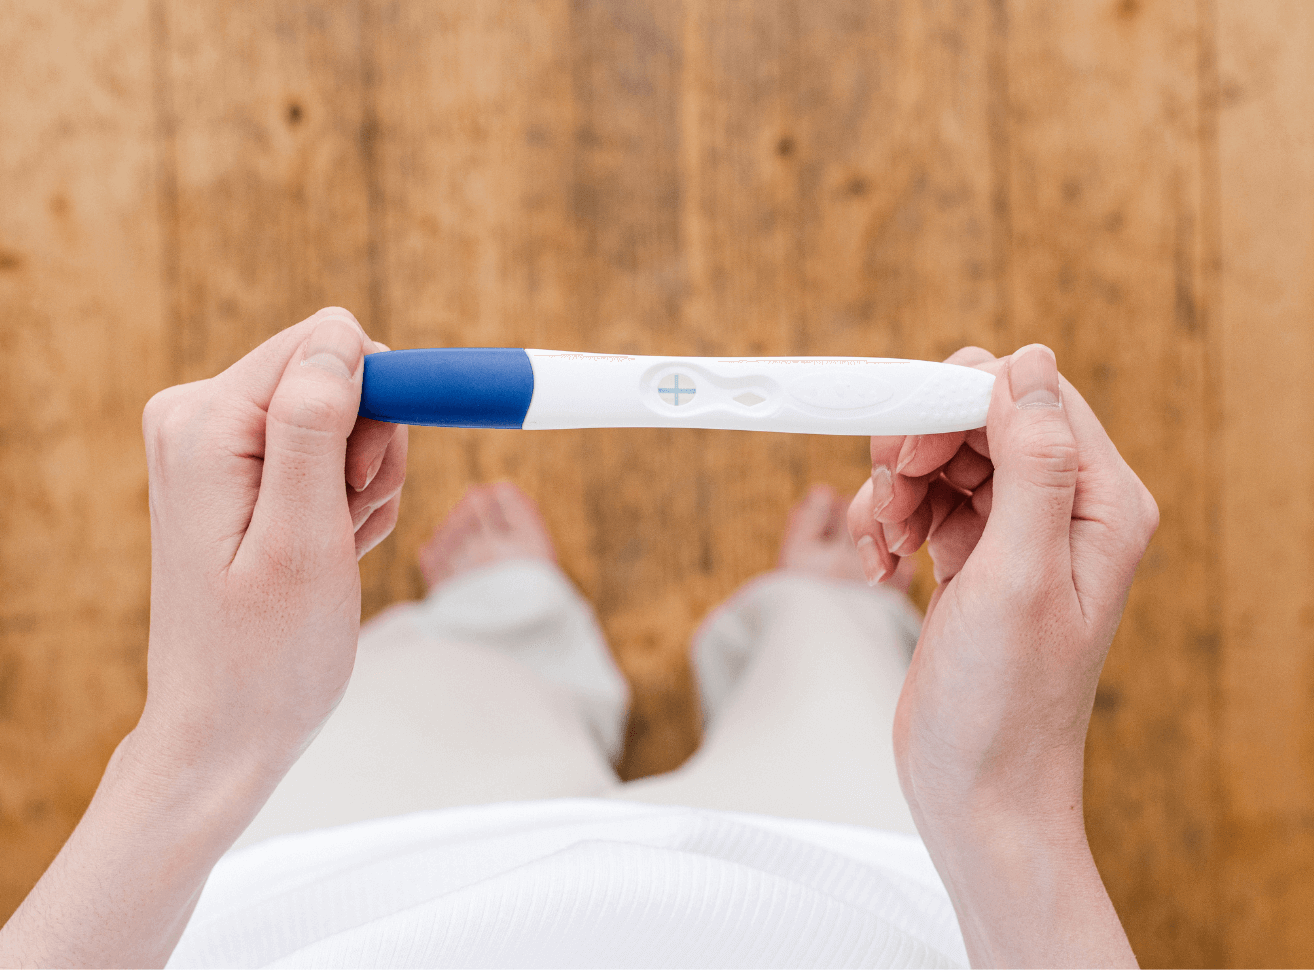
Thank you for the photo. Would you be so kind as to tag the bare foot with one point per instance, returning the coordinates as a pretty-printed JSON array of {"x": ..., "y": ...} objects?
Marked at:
[
  {"x": 491, "y": 524},
  {"x": 817, "y": 540}
]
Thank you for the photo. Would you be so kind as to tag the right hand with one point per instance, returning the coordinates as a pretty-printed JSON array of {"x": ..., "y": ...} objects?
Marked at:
[
  {"x": 1033, "y": 568},
  {"x": 1036, "y": 528}
]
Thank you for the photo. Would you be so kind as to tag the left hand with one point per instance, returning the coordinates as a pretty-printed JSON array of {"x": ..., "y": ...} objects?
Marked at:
[{"x": 265, "y": 489}]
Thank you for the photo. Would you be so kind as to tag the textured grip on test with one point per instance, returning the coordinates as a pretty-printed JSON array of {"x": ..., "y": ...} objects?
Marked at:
[
  {"x": 448, "y": 387},
  {"x": 948, "y": 400}
]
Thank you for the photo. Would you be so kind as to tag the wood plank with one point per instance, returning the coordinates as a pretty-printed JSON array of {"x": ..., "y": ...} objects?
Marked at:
[
  {"x": 900, "y": 237},
  {"x": 1266, "y": 347},
  {"x": 82, "y": 332},
  {"x": 741, "y": 268},
  {"x": 529, "y": 164},
  {"x": 1107, "y": 268},
  {"x": 475, "y": 136},
  {"x": 269, "y": 137},
  {"x": 900, "y": 231},
  {"x": 645, "y": 488}
]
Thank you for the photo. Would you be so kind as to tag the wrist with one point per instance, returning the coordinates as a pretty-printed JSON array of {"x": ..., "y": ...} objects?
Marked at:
[
  {"x": 1024, "y": 885},
  {"x": 122, "y": 888},
  {"x": 204, "y": 792},
  {"x": 1003, "y": 840},
  {"x": 1005, "y": 837},
  {"x": 1002, "y": 781}
]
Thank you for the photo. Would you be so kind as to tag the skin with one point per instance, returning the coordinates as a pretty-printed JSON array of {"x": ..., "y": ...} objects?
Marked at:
[
  {"x": 265, "y": 490},
  {"x": 817, "y": 541},
  {"x": 490, "y": 524},
  {"x": 497, "y": 522},
  {"x": 1033, "y": 567}
]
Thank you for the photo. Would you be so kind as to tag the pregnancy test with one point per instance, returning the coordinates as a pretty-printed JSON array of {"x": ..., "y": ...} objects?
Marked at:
[{"x": 502, "y": 387}]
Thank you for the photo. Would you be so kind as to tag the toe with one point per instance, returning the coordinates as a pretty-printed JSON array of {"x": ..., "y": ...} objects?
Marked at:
[
  {"x": 437, "y": 556},
  {"x": 525, "y": 522},
  {"x": 460, "y": 514},
  {"x": 836, "y": 527},
  {"x": 487, "y": 510},
  {"x": 809, "y": 518},
  {"x": 514, "y": 504}
]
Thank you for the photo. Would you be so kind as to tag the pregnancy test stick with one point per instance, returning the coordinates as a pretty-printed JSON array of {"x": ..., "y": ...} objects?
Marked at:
[{"x": 467, "y": 387}]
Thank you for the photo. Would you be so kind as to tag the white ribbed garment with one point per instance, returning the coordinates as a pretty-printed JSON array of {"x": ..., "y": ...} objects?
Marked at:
[
  {"x": 458, "y": 809},
  {"x": 576, "y": 883}
]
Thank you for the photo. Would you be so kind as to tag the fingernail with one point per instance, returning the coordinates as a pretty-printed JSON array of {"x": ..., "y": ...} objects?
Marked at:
[
  {"x": 882, "y": 488},
  {"x": 374, "y": 470},
  {"x": 362, "y": 515},
  {"x": 1033, "y": 378},
  {"x": 895, "y": 535},
  {"x": 908, "y": 452},
  {"x": 334, "y": 346},
  {"x": 872, "y": 566}
]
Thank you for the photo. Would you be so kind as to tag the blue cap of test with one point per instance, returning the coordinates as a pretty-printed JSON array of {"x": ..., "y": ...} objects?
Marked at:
[{"x": 453, "y": 387}]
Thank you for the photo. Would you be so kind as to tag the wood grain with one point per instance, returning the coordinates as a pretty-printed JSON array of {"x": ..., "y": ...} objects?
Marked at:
[
  {"x": 1126, "y": 180},
  {"x": 268, "y": 151},
  {"x": 82, "y": 332},
  {"x": 1265, "y": 153},
  {"x": 1106, "y": 267}
]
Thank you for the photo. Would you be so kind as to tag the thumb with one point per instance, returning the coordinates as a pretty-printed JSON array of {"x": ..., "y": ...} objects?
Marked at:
[
  {"x": 1035, "y": 456},
  {"x": 303, "y": 501}
]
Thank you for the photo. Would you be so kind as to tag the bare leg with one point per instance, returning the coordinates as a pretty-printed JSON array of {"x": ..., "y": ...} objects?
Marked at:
[
  {"x": 800, "y": 674},
  {"x": 496, "y": 687}
]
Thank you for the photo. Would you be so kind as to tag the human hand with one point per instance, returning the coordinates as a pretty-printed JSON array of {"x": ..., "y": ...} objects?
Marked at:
[
  {"x": 265, "y": 490},
  {"x": 1036, "y": 527}
]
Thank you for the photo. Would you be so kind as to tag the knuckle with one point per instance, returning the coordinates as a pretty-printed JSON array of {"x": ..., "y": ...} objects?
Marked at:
[
  {"x": 1149, "y": 516},
  {"x": 1135, "y": 506},
  {"x": 158, "y": 409},
  {"x": 337, "y": 311},
  {"x": 287, "y": 568},
  {"x": 309, "y": 419},
  {"x": 1049, "y": 457},
  {"x": 1031, "y": 592},
  {"x": 310, "y": 411},
  {"x": 165, "y": 421},
  {"x": 155, "y": 410}
]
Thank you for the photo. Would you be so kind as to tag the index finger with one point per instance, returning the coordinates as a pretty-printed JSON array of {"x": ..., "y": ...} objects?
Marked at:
[
  {"x": 902, "y": 466},
  {"x": 368, "y": 443},
  {"x": 920, "y": 454}
]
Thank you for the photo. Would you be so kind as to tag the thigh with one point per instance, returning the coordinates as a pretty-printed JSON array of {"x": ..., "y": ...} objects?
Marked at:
[
  {"x": 428, "y": 724},
  {"x": 806, "y": 732}
]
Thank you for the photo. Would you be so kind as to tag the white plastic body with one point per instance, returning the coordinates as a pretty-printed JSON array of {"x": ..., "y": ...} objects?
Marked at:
[{"x": 805, "y": 395}]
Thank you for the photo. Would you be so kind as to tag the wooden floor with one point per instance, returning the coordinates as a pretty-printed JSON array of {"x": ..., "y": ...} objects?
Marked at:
[{"x": 1131, "y": 182}]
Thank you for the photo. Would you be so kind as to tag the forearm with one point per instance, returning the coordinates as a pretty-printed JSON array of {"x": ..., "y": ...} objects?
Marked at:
[
  {"x": 121, "y": 890},
  {"x": 1027, "y": 892}
]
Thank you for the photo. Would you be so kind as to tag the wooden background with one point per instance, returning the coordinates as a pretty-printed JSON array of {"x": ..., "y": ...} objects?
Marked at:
[{"x": 1128, "y": 181}]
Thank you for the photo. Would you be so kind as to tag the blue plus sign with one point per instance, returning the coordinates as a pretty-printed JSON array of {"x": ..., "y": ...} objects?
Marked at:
[{"x": 671, "y": 393}]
